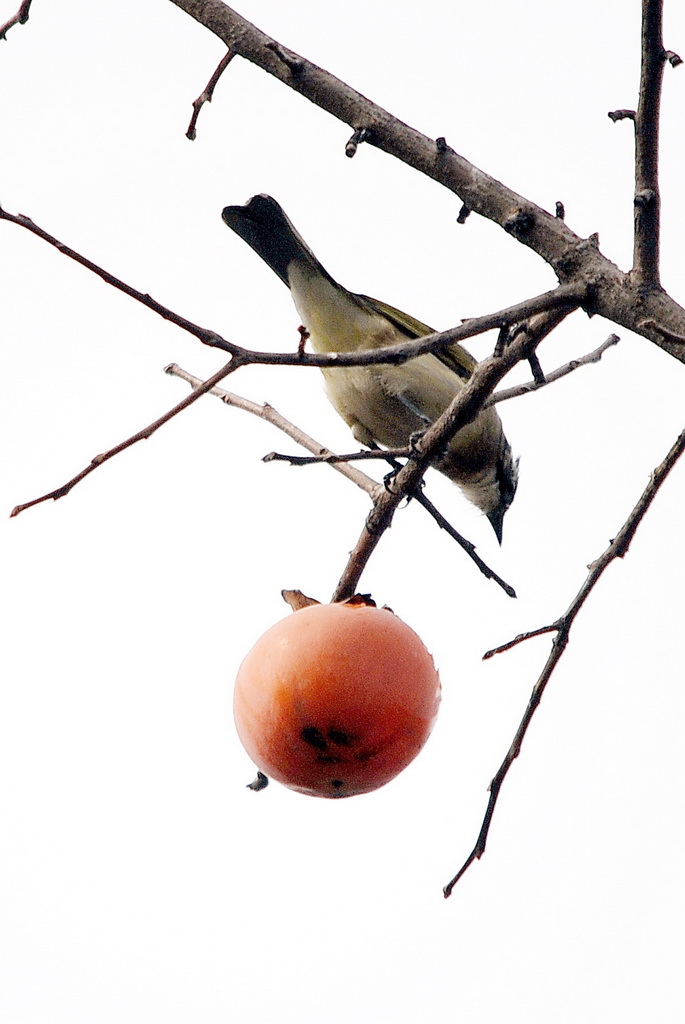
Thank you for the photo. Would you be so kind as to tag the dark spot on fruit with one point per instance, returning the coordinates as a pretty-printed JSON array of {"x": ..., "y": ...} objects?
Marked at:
[
  {"x": 314, "y": 737},
  {"x": 364, "y": 755},
  {"x": 337, "y": 783},
  {"x": 329, "y": 759},
  {"x": 342, "y": 739}
]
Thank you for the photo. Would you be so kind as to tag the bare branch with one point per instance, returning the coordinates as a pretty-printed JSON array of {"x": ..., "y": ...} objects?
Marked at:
[
  {"x": 465, "y": 407},
  {"x": 141, "y": 435},
  {"x": 550, "y": 307},
  {"x": 619, "y": 298},
  {"x": 512, "y": 346},
  {"x": 647, "y": 199},
  {"x": 268, "y": 413},
  {"x": 205, "y": 336},
  {"x": 477, "y": 190},
  {"x": 559, "y": 300},
  {"x": 20, "y": 18},
  {"x": 420, "y": 497},
  {"x": 553, "y": 627},
  {"x": 325, "y": 455},
  {"x": 207, "y": 93},
  {"x": 322, "y": 454},
  {"x": 561, "y": 371},
  {"x": 616, "y": 549},
  {"x": 467, "y": 545}
]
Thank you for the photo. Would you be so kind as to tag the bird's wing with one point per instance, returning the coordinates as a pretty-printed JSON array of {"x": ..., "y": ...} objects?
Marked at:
[{"x": 455, "y": 357}]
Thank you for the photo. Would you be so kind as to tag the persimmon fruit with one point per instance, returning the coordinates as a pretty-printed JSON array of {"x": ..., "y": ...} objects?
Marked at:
[{"x": 336, "y": 699}]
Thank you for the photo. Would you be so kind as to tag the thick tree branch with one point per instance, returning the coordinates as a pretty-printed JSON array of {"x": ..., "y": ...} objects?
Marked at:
[
  {"x": 481, "y": 193},
  {"x": 465, "y": 407},
  {"x": 562, "y": 627},
  {"x": 647, "y": 197},
  {"x": 615, "y": 295}
]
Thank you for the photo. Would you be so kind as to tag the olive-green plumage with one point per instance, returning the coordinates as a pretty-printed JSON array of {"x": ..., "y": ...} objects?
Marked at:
[{"x": 382, "y": 404}]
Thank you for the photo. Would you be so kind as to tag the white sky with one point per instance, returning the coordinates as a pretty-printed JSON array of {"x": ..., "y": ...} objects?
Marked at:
[{"x": 141, "y": 881}]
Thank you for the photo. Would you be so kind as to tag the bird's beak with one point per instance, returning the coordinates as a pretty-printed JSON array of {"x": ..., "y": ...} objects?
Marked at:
[{"x": 496, "y": 518}]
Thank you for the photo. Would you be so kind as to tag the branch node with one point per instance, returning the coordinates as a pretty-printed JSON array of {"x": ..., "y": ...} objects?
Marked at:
[
  {"x": 520, "y": 224},
  {"x": 359, "y": 136},
  {"x": 621, "y": 115},
  {"x": 20, "y": 18},
  {"x": 665, "y": 332},
  {"x": 291, "y": 60},
  {"x": 673, "y": 59},
  {"x": 304, "y": 335},
  {"x": 463, "y": 214},
  {"x": 559, "y": 211},
  {"x": 441, "y": 145},
  {"x": 645, "y": 198},
  {"x": 504, "y": 336}
]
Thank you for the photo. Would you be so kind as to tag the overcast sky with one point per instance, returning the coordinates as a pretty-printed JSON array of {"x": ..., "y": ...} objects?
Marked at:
[{"x": 141, "y": 880}]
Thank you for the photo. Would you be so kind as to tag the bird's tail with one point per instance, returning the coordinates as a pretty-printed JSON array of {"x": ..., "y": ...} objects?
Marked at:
[{"x": 263, "y": 225}]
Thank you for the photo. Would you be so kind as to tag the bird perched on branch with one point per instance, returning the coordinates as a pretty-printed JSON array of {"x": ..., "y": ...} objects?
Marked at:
[{"x": 383, "y": 404}]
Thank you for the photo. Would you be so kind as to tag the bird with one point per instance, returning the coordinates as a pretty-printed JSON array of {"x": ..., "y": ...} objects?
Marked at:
[{"x": 384, "y": 405}]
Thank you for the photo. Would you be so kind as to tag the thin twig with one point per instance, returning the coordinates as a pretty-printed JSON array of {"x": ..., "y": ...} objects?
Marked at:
[
  {"x": 467, "y": 545},
  {"x": 268, "y": 413},
  {"x": 20, "y": 18},
  {"x": 500, "y": 396},
  {"x": 329, "y": 457},
  {"x": 553, "y": 627},
  {"x": 470, "y": 548},
  {"x": 206, "y": 337},
  {"x": 647, "y": 199},
  {"x": 321, "y": 454},
  {"x": 561, "y": 371},
  {"x": 141, "y": 435},
  {"x": 207, "y": 93},
  {"x": 618, "y": 548}
]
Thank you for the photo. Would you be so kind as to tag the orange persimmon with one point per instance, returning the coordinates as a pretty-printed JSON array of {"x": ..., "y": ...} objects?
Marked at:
[{"x": 336, "y": 699}]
